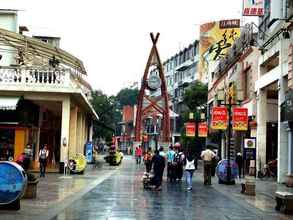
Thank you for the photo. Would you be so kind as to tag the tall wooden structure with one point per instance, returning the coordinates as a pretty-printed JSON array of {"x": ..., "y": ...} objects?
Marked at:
[{"x": 153, "y": 106}]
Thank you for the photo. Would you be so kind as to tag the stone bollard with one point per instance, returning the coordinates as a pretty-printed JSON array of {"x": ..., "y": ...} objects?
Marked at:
[{"x": 249, "y": 186}]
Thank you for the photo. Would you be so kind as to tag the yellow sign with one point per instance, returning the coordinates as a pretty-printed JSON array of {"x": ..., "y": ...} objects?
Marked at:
[{"x": 216, "y": 38}]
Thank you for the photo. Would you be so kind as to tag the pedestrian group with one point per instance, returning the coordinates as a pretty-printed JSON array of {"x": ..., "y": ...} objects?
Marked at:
[{"x": 177, "y": 162}]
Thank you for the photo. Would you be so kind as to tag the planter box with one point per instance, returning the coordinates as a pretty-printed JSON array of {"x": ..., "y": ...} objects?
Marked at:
[{"x": 31, "y": 190}]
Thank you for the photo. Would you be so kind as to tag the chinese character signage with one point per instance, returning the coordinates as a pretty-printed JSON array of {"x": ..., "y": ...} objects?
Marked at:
[
  {"x": 216, "y": 38},
  {"x": 190, "y": 129},
  {"x": 253, "y": 7},
  {"x": 240, "y": 119},
  {"x": 202, "y": 129},
  {"x": 219, "y": 118}
]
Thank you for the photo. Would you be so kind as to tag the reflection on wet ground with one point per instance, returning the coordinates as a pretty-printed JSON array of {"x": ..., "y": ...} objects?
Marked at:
[{"x": 122, "y": 196}]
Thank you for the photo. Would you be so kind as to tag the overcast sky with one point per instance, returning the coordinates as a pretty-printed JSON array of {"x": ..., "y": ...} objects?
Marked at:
[{"x": 112, "y": 38}]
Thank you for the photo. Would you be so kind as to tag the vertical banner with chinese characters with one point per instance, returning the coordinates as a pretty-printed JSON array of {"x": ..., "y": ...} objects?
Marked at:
[
  {"x": 253, "y": 7},
  {"x": 202, "y": 129},
  {"x": 190, "y": 129},
  {"x": 216, "y": 38},
  {"x": 240, "y": 119},
  {"x": 219, "y": 118}
]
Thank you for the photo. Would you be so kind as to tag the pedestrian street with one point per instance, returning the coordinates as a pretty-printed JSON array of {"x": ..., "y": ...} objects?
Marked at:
[{"x": 121, "y": 196}]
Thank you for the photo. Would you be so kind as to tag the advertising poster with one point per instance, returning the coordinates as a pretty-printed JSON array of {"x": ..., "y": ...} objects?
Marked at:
[
  {"x": 202, "y": 129},
  {"x": 89, "y": 152},
  {"x": 240, "y": 119},
  {"x": 249, "y": 149},
  {"x": 219, "y": 118},
  {"x": 190, "y": 129},
  {"x": 216, "y": 38},
  {"x": 253, "y": 7}
]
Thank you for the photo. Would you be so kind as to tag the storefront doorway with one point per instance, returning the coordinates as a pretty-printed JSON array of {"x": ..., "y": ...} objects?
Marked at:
[{"x": 7, "y": 143}]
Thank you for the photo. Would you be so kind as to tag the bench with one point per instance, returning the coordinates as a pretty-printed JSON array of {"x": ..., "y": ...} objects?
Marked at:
[{"x": 284, "y": 201}]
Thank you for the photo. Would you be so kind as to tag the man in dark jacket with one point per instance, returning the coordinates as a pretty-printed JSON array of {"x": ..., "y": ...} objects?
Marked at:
[{"x": 158, "y": 162}]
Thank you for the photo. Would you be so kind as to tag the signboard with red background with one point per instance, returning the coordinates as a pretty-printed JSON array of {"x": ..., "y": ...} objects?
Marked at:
[
  {"x": 253, "y": 7},
  {"x": 240, "y": 119},
  {"x": 219, "y": 118},
  {"x": 190, "y": 129},
  {"x": 202, "y": 129}
]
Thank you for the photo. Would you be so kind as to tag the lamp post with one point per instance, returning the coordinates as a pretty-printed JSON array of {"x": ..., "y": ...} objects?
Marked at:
[{"x": 221, "y": 96}]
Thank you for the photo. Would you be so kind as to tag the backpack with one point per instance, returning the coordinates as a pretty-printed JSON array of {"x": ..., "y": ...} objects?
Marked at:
[
  {"x": 43, "y": 154},
  {"x": 178, "y": 158},
  {"x": 189, "y": 165}
]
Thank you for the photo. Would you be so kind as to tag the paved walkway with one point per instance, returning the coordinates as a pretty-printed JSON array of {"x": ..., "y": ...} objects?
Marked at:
[
  {"x": 117, "y": 193},
  {"x": 55, "y": 193},
  {"x": 121, "y": 196}
]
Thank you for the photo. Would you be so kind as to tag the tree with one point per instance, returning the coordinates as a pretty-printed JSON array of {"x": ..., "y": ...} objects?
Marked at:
[
  {"x": 106, "y": 108},
  {"x": 127, "y": 96},
  {"x": 196, "y": 95}
]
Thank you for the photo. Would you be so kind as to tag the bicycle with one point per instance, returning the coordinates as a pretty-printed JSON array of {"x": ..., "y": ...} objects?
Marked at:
[{"x": 266, "y": 172}]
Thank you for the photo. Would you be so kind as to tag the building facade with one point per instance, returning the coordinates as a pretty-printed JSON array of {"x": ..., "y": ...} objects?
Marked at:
[
  {"x": 180, "y": 71},
  {"x": 45, "y": 98},
  {"x": 274, "y": 76},
  {"x": 239, "y": 67}
]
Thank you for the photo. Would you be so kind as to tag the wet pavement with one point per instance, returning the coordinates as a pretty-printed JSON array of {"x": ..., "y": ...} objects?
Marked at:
[
  {"x": 106, "y": 192},
  {"x": 121, "y": 196},
  {"x": 56, "y": 192}
]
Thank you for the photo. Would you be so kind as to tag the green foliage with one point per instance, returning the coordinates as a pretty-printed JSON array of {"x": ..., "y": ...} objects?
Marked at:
[
  {"x": 127, "y": 96},
  {"x": 109, "y": 115},
  {"x": 109, "y": 109},
  {"x": 196, "y": 95}
]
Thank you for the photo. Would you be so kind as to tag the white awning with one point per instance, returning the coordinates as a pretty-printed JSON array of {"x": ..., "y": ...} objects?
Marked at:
[{"x": 8, "y": 103}]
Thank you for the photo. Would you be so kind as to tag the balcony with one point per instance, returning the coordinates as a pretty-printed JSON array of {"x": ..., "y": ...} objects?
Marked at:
[{"x": 37, "y": 80}]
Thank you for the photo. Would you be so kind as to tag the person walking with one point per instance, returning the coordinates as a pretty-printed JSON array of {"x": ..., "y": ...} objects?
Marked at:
[
  {"x": 170, "y": 164},
  {"x": 207, "y": 157},
  {"x": 158, "y": 162},
  {"x": 148, "y": 160},
  {"x": 178, "y": 163},
  {"x": 189, "y": 168},
  {"x": 138, "y": 154},
  {"x": 43, "y": 155},
  {"x": 239, "y": 161}
]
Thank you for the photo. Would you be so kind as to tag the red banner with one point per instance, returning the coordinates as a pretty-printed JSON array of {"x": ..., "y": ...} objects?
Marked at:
[
  {"x": 240, "y": 119},
  {"x": 190, "y": 129},
  {"x": 202, "y": 129},
  {"x": 219, "y": 118}
]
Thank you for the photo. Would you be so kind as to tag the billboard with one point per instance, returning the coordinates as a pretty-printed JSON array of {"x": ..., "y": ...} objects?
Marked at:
[
  {"x": 219, "y": 118},
  {"x": 216, "y": 38},
  {"x": 253, "y": 7}
]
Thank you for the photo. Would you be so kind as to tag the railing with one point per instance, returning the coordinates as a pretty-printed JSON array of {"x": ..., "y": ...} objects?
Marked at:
[{"x": 34, "y": 77}]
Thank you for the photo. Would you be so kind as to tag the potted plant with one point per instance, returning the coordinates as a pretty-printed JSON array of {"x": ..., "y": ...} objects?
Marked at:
[{"x": 31, "y": 188}]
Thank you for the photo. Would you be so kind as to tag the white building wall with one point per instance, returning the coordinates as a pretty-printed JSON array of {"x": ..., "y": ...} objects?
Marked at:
[{"x": 8, "y": 21}]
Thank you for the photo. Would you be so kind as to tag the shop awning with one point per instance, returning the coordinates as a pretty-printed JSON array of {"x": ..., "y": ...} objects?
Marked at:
[{"x": 8, "y": 103}]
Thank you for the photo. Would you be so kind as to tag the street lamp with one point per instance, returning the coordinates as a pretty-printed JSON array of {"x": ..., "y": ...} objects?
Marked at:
[{"x": 221, "y": 97}]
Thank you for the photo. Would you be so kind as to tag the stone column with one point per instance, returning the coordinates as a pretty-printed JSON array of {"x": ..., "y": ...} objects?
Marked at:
[
  {"x": 282, "y": 132},
  {"x": 290, "y": 155},
  {"x": 282, "y": 137},
  {"x": 79, "y": 132},
  {"x": 261, "y": 129},
  {"x": 73, "y": 131},
  {"x": 65, "y": 122}
]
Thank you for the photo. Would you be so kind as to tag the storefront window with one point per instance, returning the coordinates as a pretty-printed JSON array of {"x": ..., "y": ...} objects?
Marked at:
[{"x": 6, "y": 143}]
